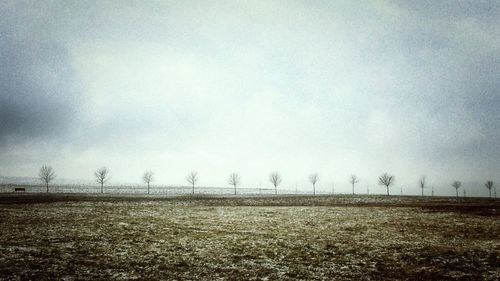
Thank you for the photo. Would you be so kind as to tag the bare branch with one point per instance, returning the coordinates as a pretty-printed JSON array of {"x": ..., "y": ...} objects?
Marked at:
[
  {"x": 275, "y": 179},
  {"x": 102, "y": 176},
  {"x": 234, "y": 179},
  {"x": 489, "y": 185},
  {"x": 192, "y": 178},
  {"x": 456, "y": 185},
  {"x": 314, "y": 178},
  {"x": 422, "y": 182},
  {"x": 353, "y": 180},
  {"x": 386, "y": 180},
  {"x": 148, "y": 177},
  {"x": 46, "y": 175}
]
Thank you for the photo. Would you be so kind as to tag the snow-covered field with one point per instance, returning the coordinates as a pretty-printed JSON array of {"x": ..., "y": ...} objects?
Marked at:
[{"x": 281, "y": 238}]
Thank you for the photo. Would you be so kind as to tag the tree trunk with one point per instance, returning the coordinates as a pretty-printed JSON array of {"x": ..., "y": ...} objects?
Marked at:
[
  {"x": 314, "y": 189},
  {"x": 422, "y": 192},
  {"x": 235, "y": 189},
  {"x": 456, "y": 189},
  {"x": 353, "y": 189},
  {"x": 47, "y": 187},
  {"x": 490, "y": 193},
  {"x": 193, "y": 188},
  {"x": 148, "y": 187},
  {"x": 387, "y": 188},
  {"x": 275, "y": 190},
  {"x": 102, "y": 187}
]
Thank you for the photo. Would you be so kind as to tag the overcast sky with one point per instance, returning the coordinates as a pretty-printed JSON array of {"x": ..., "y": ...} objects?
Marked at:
[{"x": 334, "y": 87}]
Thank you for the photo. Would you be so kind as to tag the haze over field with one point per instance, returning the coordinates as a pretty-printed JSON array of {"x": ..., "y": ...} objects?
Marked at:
[{"x": 333, "y": 87}]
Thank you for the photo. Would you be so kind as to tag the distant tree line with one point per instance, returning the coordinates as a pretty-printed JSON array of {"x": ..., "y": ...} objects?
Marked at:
[{"x": 102, "y": 176}]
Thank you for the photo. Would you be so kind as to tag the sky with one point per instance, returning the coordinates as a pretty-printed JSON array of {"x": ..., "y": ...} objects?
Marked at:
[{"x": 334, "y": 87}]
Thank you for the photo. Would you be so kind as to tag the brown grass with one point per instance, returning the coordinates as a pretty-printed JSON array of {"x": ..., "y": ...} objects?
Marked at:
[{"x": 284, "y": 238}]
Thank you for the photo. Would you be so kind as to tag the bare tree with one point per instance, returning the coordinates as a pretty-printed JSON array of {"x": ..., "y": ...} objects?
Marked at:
[
  {"x": 422, "y": 182},
  {"x": 275, "y": 179},
  {"x": 192, "y": 178},
  {"x": 456, "y": 185},
  {"x": 489, "y": 185},
  {"x": 148, "y": 178},
  {"x": 353, "y": 180},
  {"x": 46, "y": 175},
  {"x": 234, "y": 180},
  {"x": 314, "y": 178},
  {"x": 102, "y": 176},
  {"x": 386, "y": 180}
]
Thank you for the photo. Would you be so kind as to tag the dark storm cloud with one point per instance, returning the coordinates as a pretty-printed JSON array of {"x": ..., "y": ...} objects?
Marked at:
[{"x": 37, "y": 98}]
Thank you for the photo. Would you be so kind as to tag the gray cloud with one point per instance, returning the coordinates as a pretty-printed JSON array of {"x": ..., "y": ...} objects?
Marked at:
[
  {"x": 405, "y": 85},
  {"x": 39, "y": 97}
]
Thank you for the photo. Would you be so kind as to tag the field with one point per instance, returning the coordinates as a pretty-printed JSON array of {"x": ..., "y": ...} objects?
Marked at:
[{"x": 85, "y": 237}]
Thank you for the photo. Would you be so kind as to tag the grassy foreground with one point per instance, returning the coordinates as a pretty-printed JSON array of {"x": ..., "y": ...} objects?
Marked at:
[{"x": 284, "y": 238}]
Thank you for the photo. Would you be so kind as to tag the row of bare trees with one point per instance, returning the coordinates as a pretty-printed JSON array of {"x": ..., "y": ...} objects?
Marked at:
[
  {"x": 102, "y": 175},
  {"x": 387, "y": 180},
  {"x": 47, "y": 175}
]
